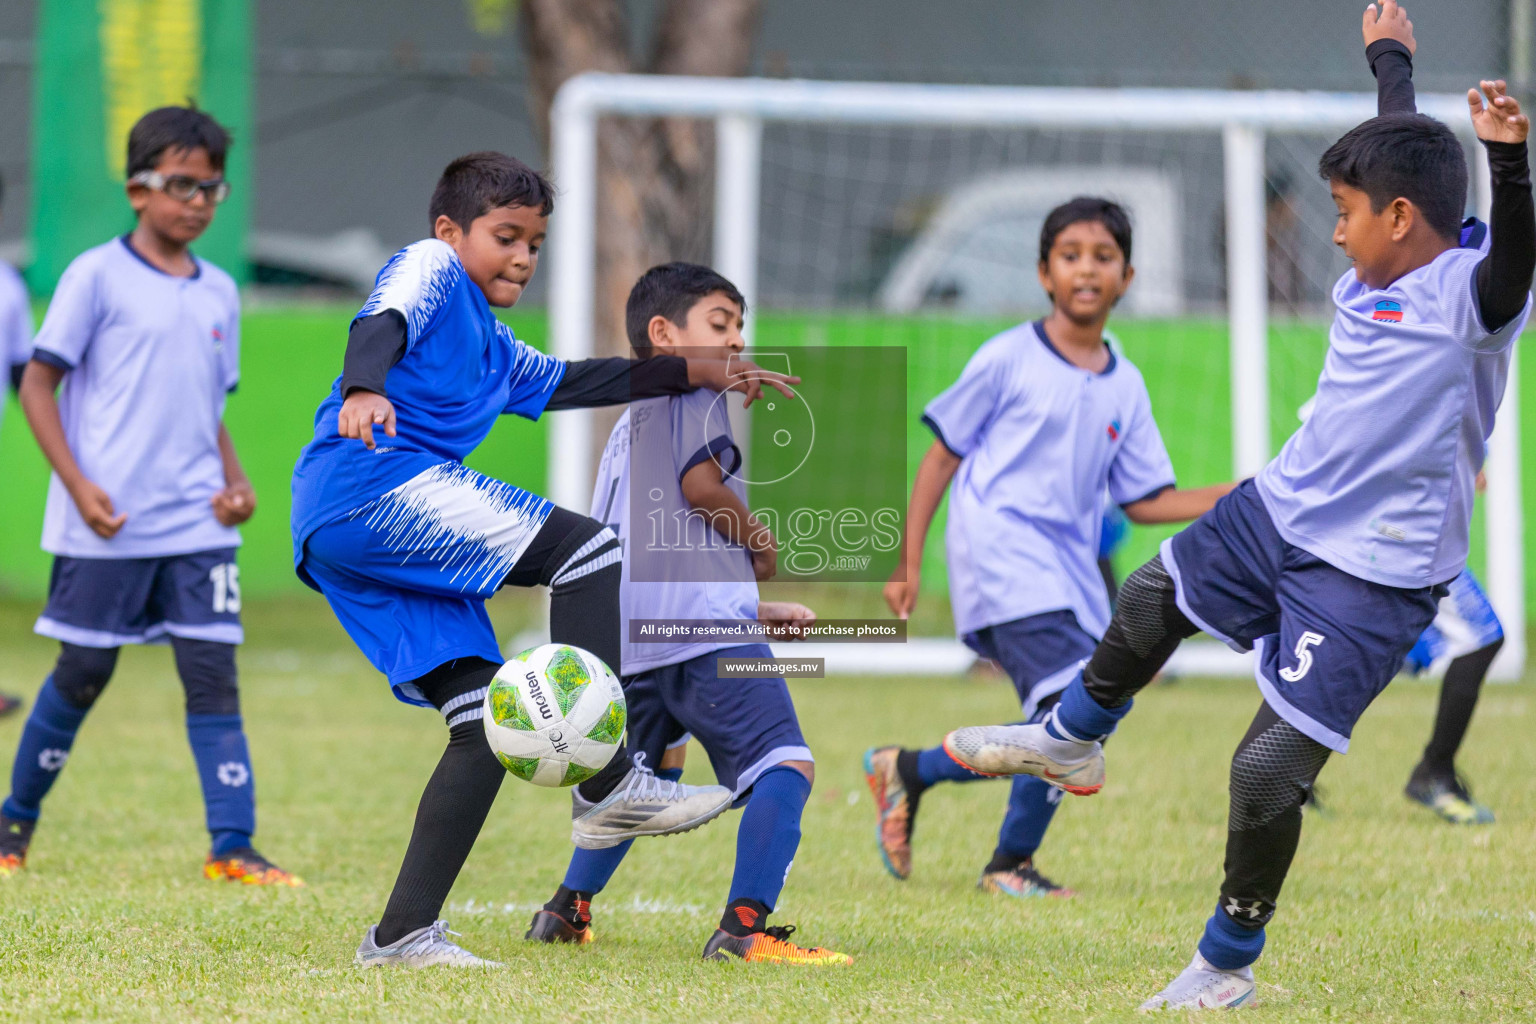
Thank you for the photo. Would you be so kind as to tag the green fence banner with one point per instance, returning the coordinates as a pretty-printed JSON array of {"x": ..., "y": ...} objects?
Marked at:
[{"x": 100, "y": 65}]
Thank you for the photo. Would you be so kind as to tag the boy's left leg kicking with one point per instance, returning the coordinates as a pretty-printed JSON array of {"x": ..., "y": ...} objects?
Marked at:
[{"x": 1327, "y": 644}]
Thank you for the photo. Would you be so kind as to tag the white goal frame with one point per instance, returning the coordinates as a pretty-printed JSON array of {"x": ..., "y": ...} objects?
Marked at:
[{"x": 740, "y": 106}]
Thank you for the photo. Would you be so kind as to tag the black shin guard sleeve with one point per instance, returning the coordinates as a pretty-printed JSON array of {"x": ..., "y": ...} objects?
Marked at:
[
  {"x": 1272, "y": 772},
  {"x": 452, "y": 810},
  {"x": 1459, "y": 691},
  {"x": 1146, "y": 628},
  {"x": 81, "y": 673}
]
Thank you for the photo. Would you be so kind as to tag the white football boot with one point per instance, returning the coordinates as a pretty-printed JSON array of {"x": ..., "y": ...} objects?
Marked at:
[
  {"x": 424, "y": 947},
  {"x": 1073, "y": 765},
  {"x": 644, "y": 805},
  {"x": 1203, "y": 987}
]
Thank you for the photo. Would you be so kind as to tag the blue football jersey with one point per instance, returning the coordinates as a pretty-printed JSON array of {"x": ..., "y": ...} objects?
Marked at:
[{"x": 461, "y": 370}]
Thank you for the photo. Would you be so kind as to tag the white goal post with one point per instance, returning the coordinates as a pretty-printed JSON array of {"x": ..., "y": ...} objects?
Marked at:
[{"x": 740, "y": 107}]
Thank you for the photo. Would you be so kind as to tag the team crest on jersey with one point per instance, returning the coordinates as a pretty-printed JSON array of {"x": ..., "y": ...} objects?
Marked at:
[
  {"x": 218, "y": 335},
  {"x": 1114, "y": 430},
  {"x": 1388, "y": 310}
]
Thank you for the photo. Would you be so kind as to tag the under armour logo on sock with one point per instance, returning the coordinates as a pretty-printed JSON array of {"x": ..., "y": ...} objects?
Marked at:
[
  {"x": 747, "y": 916},
  {"x": 1253, "y": 910},
  {"x": 233, "y": 773},
  {"x": 52, "y": 759}
]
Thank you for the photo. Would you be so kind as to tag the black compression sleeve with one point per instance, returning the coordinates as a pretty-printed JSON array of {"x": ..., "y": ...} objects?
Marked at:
[
  {"x": 594, "y": 382},
  {"x": 1392, "y": 65},
  {"x": 17, "y": 369},
  {"x": 374, "y": 345},
  {"x": 1504, "y": 276}
]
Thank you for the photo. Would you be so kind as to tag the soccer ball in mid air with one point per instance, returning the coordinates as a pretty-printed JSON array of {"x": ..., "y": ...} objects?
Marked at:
[{"x": 554, "y": 715}]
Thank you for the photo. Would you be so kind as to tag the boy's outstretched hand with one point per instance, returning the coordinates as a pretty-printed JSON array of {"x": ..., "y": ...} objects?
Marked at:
[
  {"x": 361, "y": 411},
  {"x": 737, "y": 374},
  {"x": 1500, "y": 119},
  {"x": 1389, "y": 21}
]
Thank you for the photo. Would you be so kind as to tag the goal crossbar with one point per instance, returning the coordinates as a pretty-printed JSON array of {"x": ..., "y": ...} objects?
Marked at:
[{"x": 740, "y": 106}]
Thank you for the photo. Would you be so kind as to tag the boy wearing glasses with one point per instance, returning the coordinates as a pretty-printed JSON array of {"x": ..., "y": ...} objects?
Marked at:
[{"x": 147, "y": 489}]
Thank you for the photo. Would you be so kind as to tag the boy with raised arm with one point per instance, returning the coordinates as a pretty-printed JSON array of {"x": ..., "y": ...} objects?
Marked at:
[
  {"x": 407, "y": 543},
  {"x": 1330, "y": 563}
]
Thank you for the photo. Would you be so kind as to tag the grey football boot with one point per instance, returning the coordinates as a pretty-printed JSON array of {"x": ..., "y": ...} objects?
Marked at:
[
  {"x": 644, "y": 805},
  {"x": 424, "y": 947}
]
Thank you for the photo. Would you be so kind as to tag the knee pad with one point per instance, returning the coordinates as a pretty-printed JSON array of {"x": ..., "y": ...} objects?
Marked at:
[
  {"x": 1148, "y": 610},
  {"x": 1272, "y": 773},
  {"x": 208, "y": 676},
  {"x": 81, "y": 673}
]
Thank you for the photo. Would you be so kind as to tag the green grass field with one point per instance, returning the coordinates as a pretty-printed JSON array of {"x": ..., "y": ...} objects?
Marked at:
[
  {"x": 290, "y": 357},
  {"x": 1388, "y": 916}
]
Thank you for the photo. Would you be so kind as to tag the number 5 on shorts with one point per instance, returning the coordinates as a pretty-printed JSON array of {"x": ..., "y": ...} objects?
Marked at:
[
  {"x": 226, "y": 588},
  {"x": 1306, "y": 641}
]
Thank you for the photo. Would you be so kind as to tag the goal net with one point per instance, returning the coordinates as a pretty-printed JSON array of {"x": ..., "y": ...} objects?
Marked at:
[{"x": 880, "y": 216}]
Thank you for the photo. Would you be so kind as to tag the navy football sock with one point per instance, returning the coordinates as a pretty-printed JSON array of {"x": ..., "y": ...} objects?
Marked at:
[
  {"x": 936, "y": 766},
  {"x": 224, "y": 769},
  {"x": 590, "y": 870},
  {"x": 769, "y": 835},
  {"x": 1228, "y": 945},
  {"x": 1031, "y": 806},
  {"x": 46, "y": 740},
  {"x": 1077, "y": 716}
]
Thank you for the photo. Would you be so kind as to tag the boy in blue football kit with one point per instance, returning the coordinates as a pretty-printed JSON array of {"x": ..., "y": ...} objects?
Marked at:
[
  {"x": 406, "y": 543},
  {"x": 146, "y": 490},
  {"x": 1332, "y": 562},
  {"x": 1043, "y": 421},
  {"x": 679, "y": 456}
]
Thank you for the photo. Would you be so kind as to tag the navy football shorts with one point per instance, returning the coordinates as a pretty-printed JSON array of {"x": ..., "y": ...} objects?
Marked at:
[
  {"x": 109, "y": 602},
  {"x": 745, "y": 725},
  {"x": 1327, "y": 642},
  {"x": 1041, "y": 654},
  {"x": 1464, "y": 623}
]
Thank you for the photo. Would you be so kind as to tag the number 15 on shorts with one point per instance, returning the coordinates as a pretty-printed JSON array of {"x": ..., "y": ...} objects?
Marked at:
[
  {"x": 226, "y": 588},
  {"x": 1304, "y": 645}
]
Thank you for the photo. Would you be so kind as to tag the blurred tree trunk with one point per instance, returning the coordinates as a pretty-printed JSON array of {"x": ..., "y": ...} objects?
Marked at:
[{"x": 655, "y": 177}]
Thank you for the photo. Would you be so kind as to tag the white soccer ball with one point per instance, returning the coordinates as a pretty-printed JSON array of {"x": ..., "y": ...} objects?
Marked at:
[{"x": 554, "y": 715}]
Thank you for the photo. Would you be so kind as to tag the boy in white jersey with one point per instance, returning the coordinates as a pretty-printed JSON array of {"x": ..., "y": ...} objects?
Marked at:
[
  {"x": 1045, "y": 419},
  {"x": 680, "y": 457},
  {"x": 15, "y": 350},
  {"x": 147, "y": 489},
  {"x": 1332, "y": 562}
]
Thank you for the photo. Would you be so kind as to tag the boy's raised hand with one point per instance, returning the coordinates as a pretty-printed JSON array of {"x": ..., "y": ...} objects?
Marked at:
[
  {"x": 361, "y": 411},
  {"x": 96, "y": 509},
  {"x": 1500, "y": 120},
  {"x": 1388, "y": 21}
]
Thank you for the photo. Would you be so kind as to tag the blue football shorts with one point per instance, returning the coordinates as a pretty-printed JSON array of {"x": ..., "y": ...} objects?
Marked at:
[
  {"x": 1327, "y": 642},
  {"x": 408, "y": 573},
  {"x": 1465, "y": 622},
  {"x": 746, "y": 725},
  {"x": 109, "y": 602},
  {"x": 1041, "y": 654}
]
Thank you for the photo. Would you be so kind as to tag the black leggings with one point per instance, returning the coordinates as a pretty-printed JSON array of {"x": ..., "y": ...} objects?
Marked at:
[{"x": 1274, "y": 766}]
